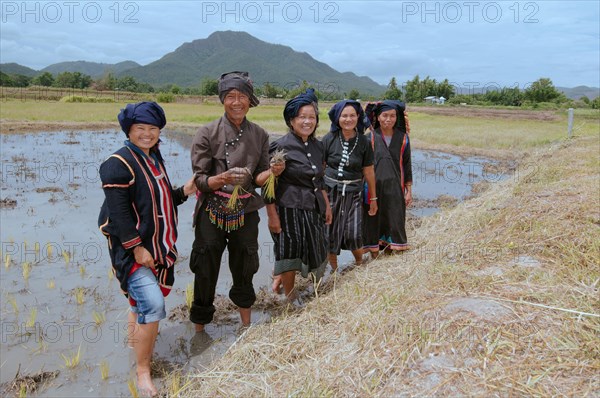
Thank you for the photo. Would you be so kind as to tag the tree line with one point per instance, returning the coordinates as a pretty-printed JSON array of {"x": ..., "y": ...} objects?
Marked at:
[{"x": 415, "y": 90}]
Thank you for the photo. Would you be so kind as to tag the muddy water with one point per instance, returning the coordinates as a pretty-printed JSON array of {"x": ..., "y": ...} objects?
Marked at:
[{"x": 56, "y": 293}]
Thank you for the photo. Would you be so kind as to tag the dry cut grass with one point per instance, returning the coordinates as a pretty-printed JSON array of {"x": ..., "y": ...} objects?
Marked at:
[{"x": 500, "y": 297}]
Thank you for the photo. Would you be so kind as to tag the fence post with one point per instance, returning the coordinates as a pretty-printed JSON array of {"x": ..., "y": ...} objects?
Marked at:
[{"x": 570, "y": 128}]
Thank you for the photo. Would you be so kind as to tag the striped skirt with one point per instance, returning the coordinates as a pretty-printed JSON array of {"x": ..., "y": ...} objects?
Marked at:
[
  {"x": 345, "y": 232},
  {"x": 302, "y": 237}
]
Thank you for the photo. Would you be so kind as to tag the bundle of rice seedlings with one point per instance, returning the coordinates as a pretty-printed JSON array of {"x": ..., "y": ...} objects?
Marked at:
[{"x": 269, "y": 185}]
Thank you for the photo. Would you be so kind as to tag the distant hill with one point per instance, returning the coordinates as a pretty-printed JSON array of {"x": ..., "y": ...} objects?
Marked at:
[
  {"x": 580, "y": 91},
  {"x": 93, "y": 69},
  {"x": 16, "y": 69},
  {"x": 228, "y": 51}
]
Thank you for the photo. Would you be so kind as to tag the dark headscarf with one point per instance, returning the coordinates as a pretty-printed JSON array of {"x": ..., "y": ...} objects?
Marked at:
[
  {"x": 142, "y": 112},
  {"x": 336, "y": 111},
  {"x": 239, "y": 81},
  {"x": 374, "y": 109},
  {"x": 293, "y": 106}
]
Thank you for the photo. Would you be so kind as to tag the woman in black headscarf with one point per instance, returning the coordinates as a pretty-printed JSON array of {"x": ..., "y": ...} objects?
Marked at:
[
  {"x": 301, "y": 209},
  {"x": 349, "y": 158},
  {"x": 393, "y": 172},
  {"x": 139, "y": 219}
]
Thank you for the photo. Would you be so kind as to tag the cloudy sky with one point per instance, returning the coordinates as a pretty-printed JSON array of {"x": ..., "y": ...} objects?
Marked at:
[{"x": 471, "y": 43}]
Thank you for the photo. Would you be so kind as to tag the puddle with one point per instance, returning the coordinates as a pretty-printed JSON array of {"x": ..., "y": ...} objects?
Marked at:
[{"x": 56, "y": 294}]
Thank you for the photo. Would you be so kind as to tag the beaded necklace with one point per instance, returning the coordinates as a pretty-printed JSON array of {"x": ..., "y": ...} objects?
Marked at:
[{"x": 345, "y": 161}]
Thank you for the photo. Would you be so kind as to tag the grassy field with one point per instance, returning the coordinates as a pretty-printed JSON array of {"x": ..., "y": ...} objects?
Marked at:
[{"x": 460, "y": 130}]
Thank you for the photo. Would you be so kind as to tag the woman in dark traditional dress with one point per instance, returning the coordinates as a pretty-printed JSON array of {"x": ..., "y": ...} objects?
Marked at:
[
  {"x": 139, "y": 219},
  {"x": 349, "y": 158},
  {"x": 301, "y": 209},
  {"x": 393, "y": 172}
]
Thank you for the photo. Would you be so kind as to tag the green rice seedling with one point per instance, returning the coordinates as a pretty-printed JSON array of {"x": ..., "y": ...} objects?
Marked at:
[
  {"x": 79, "y": 295},
  {"x": 13, "y": 303},
  {"x": 67, "y": 257},
  {"x": 49, "y": 250},
  {"x": 7, "y": 261},
  {"x": 37, "y": 249},
  {"x": 32, "y": 317},
  {"x": 26, "y": 270},
  {"x": 269, "y": 185},
  {"x": 189, "y": 294},
  {"x": 23, "y": 391},
  {"x": 51, "y": 284},
  {"x": 111, "y": 274},
  {"x": 132, "y": 388},
  {"x": 72, "y": 360},
  {"x": 82, "y": 270},
  {"x": 104, "y": 369},
  {"x": 99, "y": 317}
]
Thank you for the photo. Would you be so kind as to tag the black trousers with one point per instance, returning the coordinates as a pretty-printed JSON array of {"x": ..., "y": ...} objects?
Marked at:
[{"x": 205, "y": 262}]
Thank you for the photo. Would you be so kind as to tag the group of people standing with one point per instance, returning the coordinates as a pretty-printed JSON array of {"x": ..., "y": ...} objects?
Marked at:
[{"x": 348, "y": 191}]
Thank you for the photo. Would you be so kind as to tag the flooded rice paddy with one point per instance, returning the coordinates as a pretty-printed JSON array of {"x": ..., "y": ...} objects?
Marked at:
[{"x": 63, "y": 318}]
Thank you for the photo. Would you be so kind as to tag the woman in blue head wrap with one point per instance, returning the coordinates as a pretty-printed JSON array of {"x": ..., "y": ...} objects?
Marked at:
[
  {"x": 139, "y": 219},
  {"x": 349, "y": 159},
  {"x": 301, "y": 209},
  {"x": 393, "y": 172}
]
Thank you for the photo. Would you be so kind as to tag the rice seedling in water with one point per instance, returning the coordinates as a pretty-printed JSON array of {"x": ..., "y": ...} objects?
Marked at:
[
  {"x": 26, "y": 270},
  {"x": 189, "y": 294},
  {"x": 23, "y": 392},
  {"x": 72, "y": 361},
  {"x": 82, "y": 270},
  {"x": 7, "y": 261},
  {"x": 13, "y": 302},
  {"x": 104, "y": 369},
  {"x": 111, "y": 274},
  {"x": 32, "y": 317},
  {"x": 132, "y": 388},
  {"x": 67, "y": 257},
  {"x": 51, "y": 284},
  {"x": 79, "y": 295},
  {"x": 37, "y": 249},
  {"x": 99, "y": 317},
  {"x": 49, "y": 250}
]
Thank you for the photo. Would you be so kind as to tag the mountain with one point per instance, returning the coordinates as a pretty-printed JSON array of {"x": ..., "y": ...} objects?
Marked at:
[
  {"x": 93, "y": 69},
  {"x": 579, "y": 91},
  {"x": 279, "y": 65},
  {"x": 16, "y": 69}
]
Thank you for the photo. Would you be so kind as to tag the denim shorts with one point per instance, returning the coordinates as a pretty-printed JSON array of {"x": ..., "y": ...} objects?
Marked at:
[{"x": 144, "y": 289}]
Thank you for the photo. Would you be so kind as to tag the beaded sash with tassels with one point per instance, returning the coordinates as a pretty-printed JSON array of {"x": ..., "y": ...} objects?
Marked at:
[{"x": 224, "y": 215}]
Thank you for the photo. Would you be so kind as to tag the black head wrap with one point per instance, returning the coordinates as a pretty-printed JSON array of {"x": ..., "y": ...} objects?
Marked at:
[
  {"x": 336, "y": 111},
  {"x": 373, "y": 110},
  {"x": 293, "y": 106},
  {"x": 239, "y": 81},
  {"x": 142, "y": 112}
]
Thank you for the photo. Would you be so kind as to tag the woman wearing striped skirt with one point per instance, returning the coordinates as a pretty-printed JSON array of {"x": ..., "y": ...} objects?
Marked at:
[
  {"x": 300, "y": 211},
  {"x": 349, "y": 159}
]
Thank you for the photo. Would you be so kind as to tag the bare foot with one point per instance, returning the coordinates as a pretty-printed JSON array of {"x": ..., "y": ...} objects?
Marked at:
[
  {"x": 145, "y": 385},
  {"x": 277, "y": 284},
  {"x": 333, "y": 261}
]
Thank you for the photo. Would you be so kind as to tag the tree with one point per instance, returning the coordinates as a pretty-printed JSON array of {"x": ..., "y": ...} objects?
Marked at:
[
  {"x": 127, "y": 83},
  {"x": 543, "y": 90},
  {"x": 269, "y": 90},
  {"x": 6, "y": 80},
  {"x": 209, "y": 86},
  {"x": 354, "y": 94},
  {"x": 46, "y": 79},
  {"x": 393, "y": 92}
]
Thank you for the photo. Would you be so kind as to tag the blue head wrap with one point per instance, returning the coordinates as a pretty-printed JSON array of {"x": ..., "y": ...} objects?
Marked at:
[
  {"x": 239, "y": 81},
  {"x": 293, "y": 106},
  {"x": 373, "y": 110},
  {"x": 142, "y": 112},
  {"x": 336, "y": 111}
]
